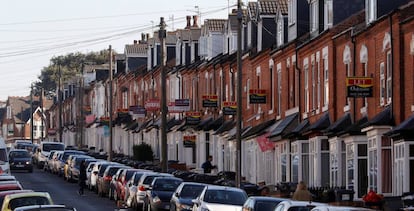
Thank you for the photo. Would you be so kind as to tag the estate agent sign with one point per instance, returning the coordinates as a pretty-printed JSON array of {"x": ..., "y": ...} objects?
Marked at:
[{"x": 359, "y": 86}]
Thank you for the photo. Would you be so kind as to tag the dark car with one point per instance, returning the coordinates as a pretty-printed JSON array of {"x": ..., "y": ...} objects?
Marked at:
[
  {"x": 159, "y": 193},
  {"x": 20, "y": 159},
  {"x": 182, "y": 198},
  {"x": 258, "y": 203}
]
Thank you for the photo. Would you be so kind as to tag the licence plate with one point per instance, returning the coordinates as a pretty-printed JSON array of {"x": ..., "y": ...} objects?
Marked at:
[
  {"x": 167, "y": 207},
  {"x": 19, "y": 166}
]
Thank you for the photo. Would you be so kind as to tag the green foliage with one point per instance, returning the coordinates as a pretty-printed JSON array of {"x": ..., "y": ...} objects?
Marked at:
[
  {"x": 69, "y": 65},
  {"x": 143, "y": 152}
]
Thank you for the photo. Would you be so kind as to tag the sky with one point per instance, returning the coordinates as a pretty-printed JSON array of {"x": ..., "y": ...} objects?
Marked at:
[{"x": 32, "y": 32}]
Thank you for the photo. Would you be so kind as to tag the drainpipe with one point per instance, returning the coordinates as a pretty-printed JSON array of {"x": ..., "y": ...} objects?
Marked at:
[
  {"x": 392, "y": 68},
  {"x": 353, "y": 67}
]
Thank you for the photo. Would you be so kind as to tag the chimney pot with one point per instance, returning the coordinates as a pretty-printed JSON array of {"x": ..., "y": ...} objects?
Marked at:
[
  {"x": 188, "y": 22},
  {"x": 195, "y": 21},
  {"x": 135, "y": 41}
]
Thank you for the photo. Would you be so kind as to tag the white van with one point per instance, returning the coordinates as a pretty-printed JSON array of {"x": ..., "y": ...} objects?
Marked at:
[
  {"x": 44, "y": 149},
  {"x": 4, "y": 157}
]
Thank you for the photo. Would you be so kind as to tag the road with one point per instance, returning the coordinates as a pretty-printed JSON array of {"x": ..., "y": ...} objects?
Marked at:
[{"x": 63, "y": 192}]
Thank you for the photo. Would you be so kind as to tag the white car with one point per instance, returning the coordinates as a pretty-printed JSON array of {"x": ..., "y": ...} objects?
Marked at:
[
  {"x": 220, "y": 198},
  {"x": 339, "y": 208},
  {"x": 297, "y": 205}
]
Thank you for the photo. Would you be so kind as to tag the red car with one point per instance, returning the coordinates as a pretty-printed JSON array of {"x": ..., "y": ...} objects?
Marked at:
[
  {"x": 121, "y": 183},
  {"x": 10, "y": 185}
]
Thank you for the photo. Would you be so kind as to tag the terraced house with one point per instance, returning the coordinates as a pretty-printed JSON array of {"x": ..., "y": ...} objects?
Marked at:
[{"x": 327, "y": 94}]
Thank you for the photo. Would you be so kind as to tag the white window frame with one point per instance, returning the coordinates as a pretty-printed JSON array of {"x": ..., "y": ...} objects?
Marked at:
[
  {"x": 382, "y": 84},
  {"x": 306, "y": 87},
  {"x": 326, "y": 83},
  {"x": 389, "y": 77},
  {"x": 371, "y": 10},
  {"x": 314, "y": 15},
  {"x": 373, "y": 164},
  {"x": 248, "y": 86},
  {"x": 314, "y": 81},
  {"x": 125, "y": 99},
  {"x": 279, "y": 90},
  {"x": 318, "y": 70},
  {"x": 272, "y": 86},
  {"x": 280, "y": 31},
  {"x": 292, "y": 11},
  {"x": 328, "y": 14}
]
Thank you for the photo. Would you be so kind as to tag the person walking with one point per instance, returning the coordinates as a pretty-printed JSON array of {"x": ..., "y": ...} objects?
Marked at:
[
  {"x": 82, "y": 177},
  {"x": 302, "y": 193},
  {"x": 207, "y": 166}
]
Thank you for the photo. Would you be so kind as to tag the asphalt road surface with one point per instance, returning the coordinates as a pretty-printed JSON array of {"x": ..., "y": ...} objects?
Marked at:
[{"x": 63, "y": 192}]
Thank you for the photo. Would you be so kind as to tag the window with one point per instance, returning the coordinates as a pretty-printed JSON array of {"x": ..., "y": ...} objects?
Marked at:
[
  {"x": 279, "y": 91},
  {"x": 326, "y": 82},
  {"x": 364, "y": 68},
  {"x": 348, "y": 74},
  {"x": 124, "y": 99},
  {"x": 334, "y": 164},
  {"x": 372, "y": 164},
  {"x": 389, "y": 77},
  {"x": 350, "y": 166},
  {"x": 247, "y": 93},
  {"x": 328, "y": 14},
  {"x": 280, "y": 31},
  {"x": 382, "y": 84},
  {"x": 371, "y": 10},
  {"x": 306, "y": 88},
  {"x": 313, "y": 70},
  {"x": 314, "y": 14},
  {"x": 9, "y": 113},
  {"x": 272, "y": 86},
  {"x": 318, "y": 86},
  {"x": 291, "y": 12}
]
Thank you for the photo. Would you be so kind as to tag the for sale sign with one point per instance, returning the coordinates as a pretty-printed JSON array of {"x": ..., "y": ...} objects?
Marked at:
[
  {"x": 229, "y": 108},
  {"x": 210, "y": 101},
  {"x": 257, "y": 96}
]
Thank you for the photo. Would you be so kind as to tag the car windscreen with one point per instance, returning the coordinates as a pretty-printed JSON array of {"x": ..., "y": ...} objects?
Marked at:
[
  {"x": 191, "y": 191},
  {"x": 225, "y": 197},
  {"x": 112, "y": 170},
  {"x": 148, "y": 179},
  {"x": 26, "y": 201},
  {"x": 3, "y": 156},
  {"x": 137, "y": 177},
  {"x": 166, "y": 184},
  {"x": 266, "y": 205},
  {"x": 48, "y": 147},
  {"x": 19, "y": 154},
  {"x": 66, "y": 154},
  {"x": 301, "y": 208}
]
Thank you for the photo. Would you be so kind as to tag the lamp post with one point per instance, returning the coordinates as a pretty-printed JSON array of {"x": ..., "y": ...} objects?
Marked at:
[{"x": 239, "y": 94}]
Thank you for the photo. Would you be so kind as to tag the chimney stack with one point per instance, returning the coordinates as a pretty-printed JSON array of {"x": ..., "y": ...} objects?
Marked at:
[
  {"x": 195, "y": 21},
  {"x": 188, "y": 22},
  {"x": 142, "y": 37}
]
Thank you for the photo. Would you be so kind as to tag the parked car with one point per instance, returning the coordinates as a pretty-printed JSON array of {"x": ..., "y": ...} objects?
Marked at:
[
  {"x": 73, "y": 171},
  {"x": 93, "y": 175},
  {"x": 4, "y": 157},
  {"x": 20, "y": 159},
  {"x": 132, "y": 186},
  {"x": 182, "y": 198},
  {"x": 6, "y": 177},
  {"x": 160, "y": 192},
  {"x": 106, "y": 177},
  {"x": 258, "y": 203},
  {"x": 54, "y": 163},
  {"x": 49, "y": 161},
  {"x": 12, "y": 201},
  {"x": 44, "y": 149},
  {"x": 289, "y": 205},
  {"x": 220, "y": 198},
  {"x": 10, "y": 185},
  {"x": 7, "y": 192},
  {"x": 55, "y": 207},
  {"x": 60, "y": 165},
  {"x": 124, "y": 177},
  {"x": 114, "y": 183},
  {"x": 339, "y": 208},
  {"x": 143, "y": 184}
]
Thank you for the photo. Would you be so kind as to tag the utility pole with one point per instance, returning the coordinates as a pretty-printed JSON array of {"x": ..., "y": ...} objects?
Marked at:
[
  {"x": 239, "y": 94},
  {"x": 81, "y": 107},
  {"x": 162, "y": 34},
  {"x": 110, "y": 104},
  {"x": 60, "y": 104},
  {"x": 42, "y": 119},
  {"x": 31, "y": 113}
]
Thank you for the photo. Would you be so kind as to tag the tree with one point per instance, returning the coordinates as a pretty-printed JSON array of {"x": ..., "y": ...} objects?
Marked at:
[
  {"x": 143, "y": 152},
  {"x": 69, "y": 65}
]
